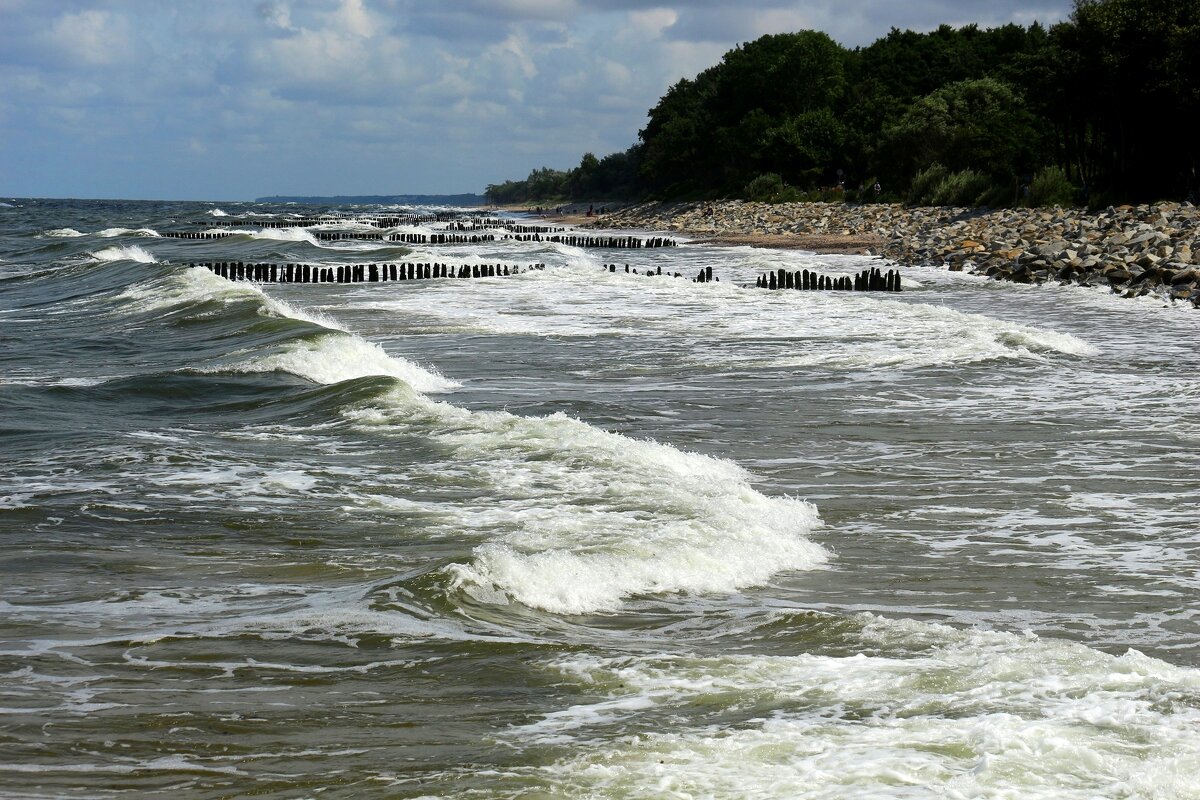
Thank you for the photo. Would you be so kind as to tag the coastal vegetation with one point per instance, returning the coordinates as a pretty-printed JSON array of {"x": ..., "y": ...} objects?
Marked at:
[{"x": 1099, "y": 109}]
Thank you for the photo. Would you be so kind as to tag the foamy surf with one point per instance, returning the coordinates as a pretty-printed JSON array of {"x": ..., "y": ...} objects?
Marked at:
[
  {"x": 109, "y": 233},
  {"x": 284, "y": 235},
  {"x": 123, "y": 253},
  {"x": 195, "y": 285},
  {"x": 976, "y": 714},
  {"x": 584, "y": 519},
  {"x": 339, "y": 357},
  {"x": 336, "y": 357}
]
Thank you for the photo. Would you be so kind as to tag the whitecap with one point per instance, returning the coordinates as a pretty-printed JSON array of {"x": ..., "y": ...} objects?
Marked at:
[
  {"x": 583, "y": 519},
  {"x": 124, "y": 253},
  {"x": 285, "y": 235},
  {"x": 109, "y": 233},
  {"x": 340, "y": 357},
  {"x": 329, "y": 359}
]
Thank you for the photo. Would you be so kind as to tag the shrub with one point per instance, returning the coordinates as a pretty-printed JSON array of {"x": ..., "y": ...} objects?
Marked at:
[
  {"x": 1050, "y": 187},
  {"x": 924, "y": 183},
  {"x": 963, "y": 188},
  {"x": 789, "y": 194},
  {"x": 998, "y": 196},
  {"x": 765, "y": 187},
  {"x": 937, "y": 186}
]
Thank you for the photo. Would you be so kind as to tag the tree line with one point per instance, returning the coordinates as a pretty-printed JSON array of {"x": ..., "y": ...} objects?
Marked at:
[{"x": 1099, "y": 109}]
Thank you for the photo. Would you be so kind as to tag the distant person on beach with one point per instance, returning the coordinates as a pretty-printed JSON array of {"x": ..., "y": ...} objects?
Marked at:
[
  {"x": 591, "y": 212},
  {"x": 878, "y": 190}
]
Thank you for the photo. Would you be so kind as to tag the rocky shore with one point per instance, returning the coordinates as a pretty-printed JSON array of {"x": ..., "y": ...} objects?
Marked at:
[{"x": 1132, "y": 250}]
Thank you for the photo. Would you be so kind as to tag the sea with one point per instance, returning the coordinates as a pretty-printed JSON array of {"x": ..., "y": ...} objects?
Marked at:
[{"x": 581, "y": 532}]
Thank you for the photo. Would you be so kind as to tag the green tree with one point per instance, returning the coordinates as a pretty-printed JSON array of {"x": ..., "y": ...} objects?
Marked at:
[
  {"x": 583, "y": 181},
  {"x": 978, "y": 124},
  {"x": 1132, "y": 70},
  {"x": 752, "y": 112}
]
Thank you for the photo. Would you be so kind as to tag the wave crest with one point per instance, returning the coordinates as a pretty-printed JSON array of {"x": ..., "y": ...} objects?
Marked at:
[
  {"x": 585, "y": 519},
  {"x": 124, "y": 253},
  {"x": 339, "y": 357}
]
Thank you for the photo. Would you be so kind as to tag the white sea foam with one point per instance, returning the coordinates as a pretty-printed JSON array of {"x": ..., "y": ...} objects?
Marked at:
[
  {"x": 124, "y": 253},
  {"x": 216, "y": 212},
  {"x": 199, "y": 284},
  {"x": 336, "y": 357},
  {"x": 340, "y": 357},
  {"x": 64, "y": 233},
  {"x": 285, "y": 235},
  {"x": 282, "y": 308},
  {"x": 109, "y": 233},
  {"x": 774, "y": 329},
  {"x": 193, "y": 285},
  {"x": 974, "y": 715},
  {"x": 585, "y": 519}
]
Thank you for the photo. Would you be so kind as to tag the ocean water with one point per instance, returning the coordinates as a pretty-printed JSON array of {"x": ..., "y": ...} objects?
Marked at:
[{"x": 582, "y": 534}]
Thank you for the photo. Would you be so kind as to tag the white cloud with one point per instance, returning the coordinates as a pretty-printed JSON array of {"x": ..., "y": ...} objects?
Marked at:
[
  {"x": 353, "y": 18},
  {"x": 454, "y": 93},
  {"x": 91, "y": 37}
]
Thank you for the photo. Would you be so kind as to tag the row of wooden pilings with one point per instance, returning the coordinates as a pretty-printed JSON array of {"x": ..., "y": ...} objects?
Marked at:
[
  {"x": 613, "y": 268},
  {"x": 378, "y": 222},
  {"x": 619, "y": 242},
  {"x": 197, "y": 234},
  {"x": 869, "y": 280},
  {"x": 513, "y": 227},
  {"x": 349, "y": 236},
  {"x": 612, "y": 242},
  {"x": 703, "y": 276},
  {"x": 455, "y": 221},
  {"x": 357, "y": 273}
]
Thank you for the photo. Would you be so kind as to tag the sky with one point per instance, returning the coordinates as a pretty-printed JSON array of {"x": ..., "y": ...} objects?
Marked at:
[{"x": 237, "y": 99}]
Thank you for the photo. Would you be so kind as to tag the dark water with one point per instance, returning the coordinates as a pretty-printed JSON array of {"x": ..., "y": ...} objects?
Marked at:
[{"x": 581, "y": 534}]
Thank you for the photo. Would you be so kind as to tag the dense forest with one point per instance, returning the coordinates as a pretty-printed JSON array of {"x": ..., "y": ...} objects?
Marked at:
[{"x": 1101, "y": 108}]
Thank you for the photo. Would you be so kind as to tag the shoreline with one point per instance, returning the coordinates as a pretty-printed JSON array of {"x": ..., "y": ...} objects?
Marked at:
[{"x": 1132, "y": 250}]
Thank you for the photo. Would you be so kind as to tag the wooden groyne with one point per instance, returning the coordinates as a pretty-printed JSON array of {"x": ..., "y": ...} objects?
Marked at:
[
  {"x": 511, "y": 225},
  {"x": 608, "y": 242},
  {"x": 199, "y": 234},
  {"x": 869, "y": 280},
  {"x": 384, "y": 221},
  {"x": 441, "y": 238},
  {"x": 658, "y": 271},
  {"x": 617, "y": 242},
  {"x": 357, "y": 273}
]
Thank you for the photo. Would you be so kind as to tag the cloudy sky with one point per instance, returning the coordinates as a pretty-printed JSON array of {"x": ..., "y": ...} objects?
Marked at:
[{"x": 234, "y": 99}]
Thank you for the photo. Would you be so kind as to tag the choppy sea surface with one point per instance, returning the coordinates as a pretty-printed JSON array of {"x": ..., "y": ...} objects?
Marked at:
[{"x": 582, "y": 534}]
